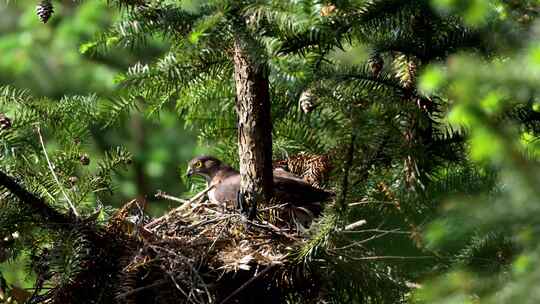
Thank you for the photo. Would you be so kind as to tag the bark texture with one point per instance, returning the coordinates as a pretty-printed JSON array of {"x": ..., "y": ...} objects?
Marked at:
[{"x": 254, "y": 124}]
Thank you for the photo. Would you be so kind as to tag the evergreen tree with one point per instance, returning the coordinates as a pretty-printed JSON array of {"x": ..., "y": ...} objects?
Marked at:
[{"x": 381, "y": 88}]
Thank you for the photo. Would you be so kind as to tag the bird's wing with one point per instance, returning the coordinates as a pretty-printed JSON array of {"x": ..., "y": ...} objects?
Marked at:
[
  {"x": 297, "y": 191},
  {"x": 287, "y": 188}
]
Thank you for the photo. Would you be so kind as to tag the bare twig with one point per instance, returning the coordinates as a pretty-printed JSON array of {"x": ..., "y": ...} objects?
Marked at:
[
  {"x": 163, "y": 195},
  {"x": 388, "y": 257},
  {"x": 355, "y": 225},
  {"x": 157, "y": 222},
  {"x": 210, "y": 221},
  {"x": 272, "y": 229},
  {"x": 359, "y": 243},
  {"x": 370, "y": 203},
  {"x": 51, "y": 168},
  {"x": 396, "y": 231},
  {"x": 196, "y": 273},
  {"x": 246, "y": 284},
  {"x": 137, "y": 290},
  {"x": 176, "y": 285},
  {"x": 201, "y": 194}
]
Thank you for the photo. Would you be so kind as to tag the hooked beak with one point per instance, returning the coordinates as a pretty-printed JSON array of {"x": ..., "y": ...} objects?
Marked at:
[{"x": 189, "y": 172}]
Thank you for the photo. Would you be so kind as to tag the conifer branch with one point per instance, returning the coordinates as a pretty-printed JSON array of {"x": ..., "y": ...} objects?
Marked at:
[{"x": 37, "y": 204}]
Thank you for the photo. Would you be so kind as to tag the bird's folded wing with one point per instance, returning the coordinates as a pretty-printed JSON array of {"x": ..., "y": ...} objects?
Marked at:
[{"x": 295, "y": 191}]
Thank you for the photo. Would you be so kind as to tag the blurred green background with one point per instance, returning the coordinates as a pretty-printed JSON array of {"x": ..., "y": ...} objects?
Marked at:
[{"x": 46, "y": 59}]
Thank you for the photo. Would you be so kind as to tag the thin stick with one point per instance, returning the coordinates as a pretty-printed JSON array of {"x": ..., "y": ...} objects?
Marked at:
[
  {"x": 355, "y": 225},
  {"x": 136, "y": 290},
  {"x": 384, "y": 257},
  {"x": 155, "y": 223},
  {"x": 200, "y": 194},
  {"x": 210, "y": 221},
  {"x": 71, "y": 206},
  {"x": 237, "y": 291},
  {"x": 390, "y": 257},
  {"x": 359, "y": 243},
  {"x": 373, "y": 203},
  {"x": 163, "y": 195},
  {"x": 396, "y": 231}
]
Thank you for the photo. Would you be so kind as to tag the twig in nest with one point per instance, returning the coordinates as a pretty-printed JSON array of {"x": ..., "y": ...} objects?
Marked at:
[
  {"x": 385, "y": 257},
  {"x": 136, "y": 290},
  {"x": 355, "y": 225},
  {"x": 176, "y": 285},
  {"x": 210, "y": 221},
  {"x": 156, "y": 223},
  {"x": 163, "y": 195},
  {"x": 196, "y": 274},
  {"x": 246, "y": 284},
  {"x": 272, "y": 229}
]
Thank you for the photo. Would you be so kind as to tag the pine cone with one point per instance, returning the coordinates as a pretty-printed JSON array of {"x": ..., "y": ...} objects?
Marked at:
[
  {"x": 328, "y": 10},
  {"x": 412, "y": 69},
  {"x": 5, "y": 122},
  {"x": 307, "y": 101},
  {"x": 376, "y": 64},
  {"x": 44, "y": 10},
  {"x": 84, "y": 159},
  {"x": 73, "y": 180}
]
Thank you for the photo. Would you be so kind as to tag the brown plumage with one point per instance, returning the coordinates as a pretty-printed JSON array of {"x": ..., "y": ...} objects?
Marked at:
[{"x": 288, "y": 188}]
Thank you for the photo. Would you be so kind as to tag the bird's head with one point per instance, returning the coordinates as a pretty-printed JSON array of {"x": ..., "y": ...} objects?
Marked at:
[{"x": 205, "y": 166}]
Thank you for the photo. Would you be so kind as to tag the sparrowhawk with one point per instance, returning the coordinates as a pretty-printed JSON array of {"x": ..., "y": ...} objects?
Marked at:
[{"x": 288, "y": 188}]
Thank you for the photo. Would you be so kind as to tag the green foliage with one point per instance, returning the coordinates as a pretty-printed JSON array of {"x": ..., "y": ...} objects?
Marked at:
[{"x": 435, "y": 162}]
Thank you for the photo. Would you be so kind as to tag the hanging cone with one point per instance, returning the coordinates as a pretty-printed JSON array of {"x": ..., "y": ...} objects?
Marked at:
[
  {"x": 376, "y": 64},
  {"x": 84, "y": 159},
  {"x": 5, "y": 122},
  {"x": 44, "y": 10},
  {"x": 327, "y": 10},
  {"x": 307, "y": 101}
]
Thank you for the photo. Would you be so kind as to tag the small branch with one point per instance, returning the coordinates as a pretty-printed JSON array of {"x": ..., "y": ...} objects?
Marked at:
[
  {"x": 210, "y": 221},
  {"x": 359, "y": 243},
  {"x": 163, "y": 195},
  {"x": 246, "y": 284},
  {"x": 355, "y": 225},
  {"x": 155, "y": 223},
  {"x": 136, "y": 290},
  {"x": 371, "y": 203},
  {"x": 51, "y": 168},
  {"x": 396, "y": 231},
  {"x": 201, "y": 194},
  {"x": 388, "y": 257}
]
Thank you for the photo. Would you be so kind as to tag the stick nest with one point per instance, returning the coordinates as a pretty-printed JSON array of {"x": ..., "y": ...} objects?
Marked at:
[{"x": 203, "y": 253}]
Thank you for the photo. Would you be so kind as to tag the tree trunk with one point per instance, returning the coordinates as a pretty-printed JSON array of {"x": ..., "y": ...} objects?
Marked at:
[{"x": 254, "y": 124}]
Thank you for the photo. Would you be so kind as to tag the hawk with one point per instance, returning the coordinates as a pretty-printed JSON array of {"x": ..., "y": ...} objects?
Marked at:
[{"x": 288, "y": 188}]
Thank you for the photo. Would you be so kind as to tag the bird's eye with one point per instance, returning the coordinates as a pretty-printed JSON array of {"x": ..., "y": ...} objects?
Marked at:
[{"x": 198, "y": 164}]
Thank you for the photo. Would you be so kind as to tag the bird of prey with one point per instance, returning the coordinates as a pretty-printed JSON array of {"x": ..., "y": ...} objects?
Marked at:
[{"x": 288, "y": 188}]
